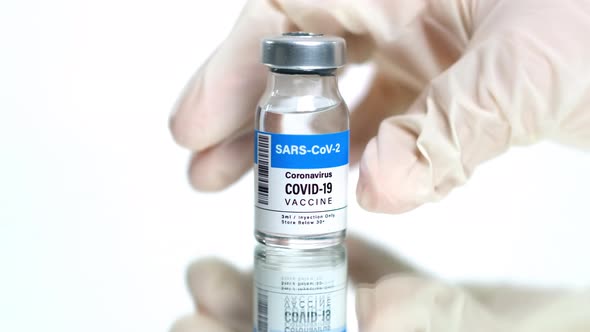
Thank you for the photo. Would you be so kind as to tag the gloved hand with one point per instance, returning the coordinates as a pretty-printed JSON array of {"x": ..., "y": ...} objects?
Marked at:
[
  {"x": 404, "y": 301},
  {"x": 457, "y": 83}
]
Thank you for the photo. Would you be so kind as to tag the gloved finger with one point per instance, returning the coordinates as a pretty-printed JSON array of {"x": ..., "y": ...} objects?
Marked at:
[
  {"x": 423, "y": 49},
  {"x": 458, "y": 122},
  {"x": 511, "y": 88},
  {"x": 222, "y": 96},
  {"x": 426, "y": 47},
  {"x": 368, "y": 262},
  {"x": 217, "y": 167},
  {"x": 222, "y": 293},
  {"x": 198, "y": 323},
  {"x": 404, "y": 303},
  {"x": 385, "y": 97}
]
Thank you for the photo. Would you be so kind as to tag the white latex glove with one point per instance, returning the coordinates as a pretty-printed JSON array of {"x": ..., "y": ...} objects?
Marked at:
[
  {"x": 457, "y": 83},
  {"x": 399, "y": 302}
]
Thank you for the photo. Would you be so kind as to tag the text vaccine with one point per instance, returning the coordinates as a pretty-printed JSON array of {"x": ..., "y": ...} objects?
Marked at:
[
  {"x": 300, "y": 290},
  {"x": 301, "y": 148}
]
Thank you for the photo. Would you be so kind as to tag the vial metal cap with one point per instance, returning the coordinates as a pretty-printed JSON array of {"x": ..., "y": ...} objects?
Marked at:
[{"x": 304, "y": 51}]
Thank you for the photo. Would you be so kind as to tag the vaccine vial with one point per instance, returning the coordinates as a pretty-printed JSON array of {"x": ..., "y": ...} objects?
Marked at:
[
  {"x": 300, "y": 290},
  {"x": 301, "y": 144}
]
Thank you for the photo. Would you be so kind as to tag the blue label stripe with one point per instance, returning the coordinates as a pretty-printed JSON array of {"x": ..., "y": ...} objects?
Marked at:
[{"x": 306, "y": 151}]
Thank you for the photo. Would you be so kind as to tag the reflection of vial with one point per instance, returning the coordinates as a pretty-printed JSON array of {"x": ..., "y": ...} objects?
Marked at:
[
  {"x": 300, "y": 290},
  {"x": 302, "y": 143}
]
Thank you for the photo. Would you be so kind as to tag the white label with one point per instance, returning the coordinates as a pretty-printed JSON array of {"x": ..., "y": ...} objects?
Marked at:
[
  {"x": 301, "y": 183},
  {"x": 312, "y": 301}
]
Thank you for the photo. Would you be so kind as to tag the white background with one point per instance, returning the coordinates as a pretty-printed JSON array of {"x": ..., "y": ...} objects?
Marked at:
[{"x": 98, "y": 223}]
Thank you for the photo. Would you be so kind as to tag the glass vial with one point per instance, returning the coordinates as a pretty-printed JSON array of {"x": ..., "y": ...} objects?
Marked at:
[
  {"x": 301, "y": 144},
  {"x": 300, "y": 290}
]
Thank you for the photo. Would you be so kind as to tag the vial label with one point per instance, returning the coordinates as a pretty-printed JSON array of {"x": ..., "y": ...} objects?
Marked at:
[
  {"x": 301, "y": 182},
  {"x": 288, "y": 301}
]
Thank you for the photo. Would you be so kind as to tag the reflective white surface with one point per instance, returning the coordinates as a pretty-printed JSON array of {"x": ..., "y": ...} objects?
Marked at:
[{"x": 98, "y": 223}]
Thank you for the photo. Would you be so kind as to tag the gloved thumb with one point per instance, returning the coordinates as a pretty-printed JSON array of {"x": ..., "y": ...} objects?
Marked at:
[{"x": 470, "y": 113}]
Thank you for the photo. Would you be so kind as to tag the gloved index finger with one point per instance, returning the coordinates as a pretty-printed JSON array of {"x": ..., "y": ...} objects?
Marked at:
[{"x": 223, "y": 94}]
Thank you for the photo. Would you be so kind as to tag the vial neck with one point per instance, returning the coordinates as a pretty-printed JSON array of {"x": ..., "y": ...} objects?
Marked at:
[{"x": 302, "y": 84}]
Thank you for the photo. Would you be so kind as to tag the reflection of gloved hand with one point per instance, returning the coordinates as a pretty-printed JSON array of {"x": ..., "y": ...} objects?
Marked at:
[
  {"x": 457, "y": 83},
  {"x": 404, "y": 304},
  {"x": 223, "y": 295},
  {"x": 398, "y": 303}
]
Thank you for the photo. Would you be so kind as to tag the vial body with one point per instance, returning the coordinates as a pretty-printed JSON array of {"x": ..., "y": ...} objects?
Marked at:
[
  {"x": 301, "y": 161},
  {"x": 300, "y": 290}
]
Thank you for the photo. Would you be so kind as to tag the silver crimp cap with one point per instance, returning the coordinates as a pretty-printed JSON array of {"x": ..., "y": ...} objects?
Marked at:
[{"x": 304, "y": 51}]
